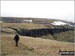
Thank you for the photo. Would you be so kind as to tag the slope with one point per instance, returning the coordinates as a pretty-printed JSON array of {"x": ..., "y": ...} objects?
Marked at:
[{"x": 32, "y": 46}]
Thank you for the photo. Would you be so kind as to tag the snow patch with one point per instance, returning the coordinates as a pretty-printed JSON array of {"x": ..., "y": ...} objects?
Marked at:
[
  {"x": 27, "y": 20},
  {"x": 58, "y": 23},
  {"x": 1, "y": 21}
]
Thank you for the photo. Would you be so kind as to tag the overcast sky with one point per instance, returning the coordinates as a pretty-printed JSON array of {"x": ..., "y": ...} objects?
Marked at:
[{"x": 63, "y": 10}]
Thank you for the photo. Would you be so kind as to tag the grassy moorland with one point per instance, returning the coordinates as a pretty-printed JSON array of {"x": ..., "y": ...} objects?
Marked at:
[
  {"x": 44, "y": 45},
  {"x": 32, "y": 46},
  {"x": 62, "y": 36},
  {"x": 24, "y": 25}
]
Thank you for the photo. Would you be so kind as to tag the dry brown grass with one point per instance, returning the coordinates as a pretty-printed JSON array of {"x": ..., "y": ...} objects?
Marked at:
[
  {"x": 29, "y": 45},
  {"x": 46, "y": 46},
  {"x": 8, "y": 46},
  {"x": 33, "y": 46},
  {"x": 24, "y": 25}
]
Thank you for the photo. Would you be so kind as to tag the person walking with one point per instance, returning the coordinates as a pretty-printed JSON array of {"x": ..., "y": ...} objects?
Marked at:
[{"x": 16, "y": 38}]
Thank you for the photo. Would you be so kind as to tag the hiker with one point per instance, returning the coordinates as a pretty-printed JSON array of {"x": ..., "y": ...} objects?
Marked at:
[{"x": 16, "y": 38}]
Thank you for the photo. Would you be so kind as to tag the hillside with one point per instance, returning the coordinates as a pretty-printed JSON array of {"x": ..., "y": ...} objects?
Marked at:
[
  {"x": 21, "y": 20},
  {"x": 39, "y": 37},
  {"x": 33, "y": 46},
  {"x": 40, "y": 30}
]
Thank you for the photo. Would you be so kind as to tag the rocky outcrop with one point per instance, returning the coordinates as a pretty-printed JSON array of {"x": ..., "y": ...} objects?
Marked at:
[{"x": 41, "y": 32}]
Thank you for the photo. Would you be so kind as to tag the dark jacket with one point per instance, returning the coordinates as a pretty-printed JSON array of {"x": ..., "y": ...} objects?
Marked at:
[{"x": 16, "y": 38}]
